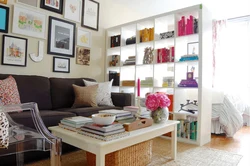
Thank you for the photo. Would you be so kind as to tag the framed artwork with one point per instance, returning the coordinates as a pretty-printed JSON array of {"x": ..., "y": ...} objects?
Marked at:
[
  {"x": 14, "y": 51},
  {"x": 72, "y": 10},
  {"x": 52, "y": 5},
  {"x": 82, "y": 56},
  {"x": 193, "y": 48},
  {"x": 4, "y": 19},
  {"x": 61, "y": 65},
  {"x": 90, "y": 14},
  {"x": 28, "y": 2},
  {"x": 28, "y": 22},
  {"x": 4, "y": 1},
  {"x": 83, "y": 38},
  {"x": 61, "y": 37}
]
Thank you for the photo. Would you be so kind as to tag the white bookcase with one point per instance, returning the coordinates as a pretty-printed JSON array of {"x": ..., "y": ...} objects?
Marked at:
[{"x": 177, "y": 70}]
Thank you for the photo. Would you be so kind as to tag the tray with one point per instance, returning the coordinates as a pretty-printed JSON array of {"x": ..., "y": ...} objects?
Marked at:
[{"x": 138, "y": 124}]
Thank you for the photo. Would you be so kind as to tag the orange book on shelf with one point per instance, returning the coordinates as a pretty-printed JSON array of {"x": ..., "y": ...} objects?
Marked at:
[{"x": 170, "y": 108}]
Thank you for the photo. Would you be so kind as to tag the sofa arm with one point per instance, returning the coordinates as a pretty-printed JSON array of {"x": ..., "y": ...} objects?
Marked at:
[{"x": 122, "y": 99}]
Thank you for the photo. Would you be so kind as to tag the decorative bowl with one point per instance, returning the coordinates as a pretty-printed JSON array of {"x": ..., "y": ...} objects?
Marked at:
[{"x": 103, "y": 119}]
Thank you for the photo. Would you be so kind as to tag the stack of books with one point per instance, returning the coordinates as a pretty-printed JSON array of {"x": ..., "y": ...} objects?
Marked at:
[
  {"x": 74, "y": 123},
  {"x": 102, "y": 132},
  {"x": 120, "y": 114},
  {"x": 130, "y": 61},
  {"x": 134, "y": 110}
]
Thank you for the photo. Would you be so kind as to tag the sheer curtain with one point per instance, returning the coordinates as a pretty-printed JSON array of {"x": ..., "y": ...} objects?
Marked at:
[{"x": 231, "y": 54}]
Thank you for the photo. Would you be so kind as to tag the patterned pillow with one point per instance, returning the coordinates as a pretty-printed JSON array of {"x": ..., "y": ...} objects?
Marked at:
[
  {"x": 4, "y": 131},
  {"x": 85, "y": 96},
  {"x": 8, "y": 91},
  {"x": 103, "y": 92}
]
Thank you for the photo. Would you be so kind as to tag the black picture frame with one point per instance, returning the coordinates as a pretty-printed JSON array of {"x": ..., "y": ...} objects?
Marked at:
[
  {"x": 57, "y": 43},
  {"x": 5, "y": 19},
  {"x": 89, "y": 14},
  {"x": 14, "y": 51},
  {"x": 64, "y": 67},
  {"x": 43, "y": 5}
]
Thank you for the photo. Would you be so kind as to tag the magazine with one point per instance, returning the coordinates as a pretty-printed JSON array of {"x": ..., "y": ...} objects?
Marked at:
[
  {"x": 103, "y": 133},
  {"x": 103, "y": 128}
]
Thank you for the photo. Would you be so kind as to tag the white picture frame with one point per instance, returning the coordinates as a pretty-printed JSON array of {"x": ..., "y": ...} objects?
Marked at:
[
  {"x": 90, "y": 14},
  {"x": 83, "y": 38},
  {"x": 72, "y": 10},
  {"x": 20, "y": 25}
]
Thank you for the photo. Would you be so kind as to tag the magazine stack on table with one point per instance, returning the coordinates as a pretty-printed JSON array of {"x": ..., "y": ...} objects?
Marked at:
[
  {"x": 103, "y": 132},
  {"x": 74, "y": 123}
]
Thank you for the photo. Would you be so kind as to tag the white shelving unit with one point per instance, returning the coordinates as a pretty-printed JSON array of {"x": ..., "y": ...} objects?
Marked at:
[{"x": 177, "y": 70}]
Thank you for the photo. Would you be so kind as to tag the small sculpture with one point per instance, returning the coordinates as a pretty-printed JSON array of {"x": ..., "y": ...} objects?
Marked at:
[
  {"x": 190, "y": 107},
  {"x": 148, "y": 55}
]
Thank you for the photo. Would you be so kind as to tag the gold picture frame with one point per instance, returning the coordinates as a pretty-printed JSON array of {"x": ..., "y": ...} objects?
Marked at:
[{"x": 4, "y": 1}]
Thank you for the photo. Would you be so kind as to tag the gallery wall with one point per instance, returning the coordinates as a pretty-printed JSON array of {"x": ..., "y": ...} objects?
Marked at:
[{"x": 44, "y": 68}]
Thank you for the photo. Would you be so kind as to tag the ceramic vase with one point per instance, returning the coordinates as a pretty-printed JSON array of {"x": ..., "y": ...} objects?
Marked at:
[{"x": 160, "y": 115}]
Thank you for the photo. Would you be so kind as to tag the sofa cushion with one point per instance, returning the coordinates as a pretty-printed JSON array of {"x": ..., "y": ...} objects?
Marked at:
[
  {"x": 50, "y": 118},
  {"x": 33, "y": 89},
  {"x": 88, "y": 111},
  {"x": 62, "y": 93}
]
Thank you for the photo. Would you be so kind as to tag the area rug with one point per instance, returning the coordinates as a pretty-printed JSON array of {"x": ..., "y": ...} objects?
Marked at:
[{"x": 188, "y": 155}]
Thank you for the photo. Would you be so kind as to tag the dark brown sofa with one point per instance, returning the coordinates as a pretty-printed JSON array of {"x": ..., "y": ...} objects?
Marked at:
[{"x": 54, "y": 97}]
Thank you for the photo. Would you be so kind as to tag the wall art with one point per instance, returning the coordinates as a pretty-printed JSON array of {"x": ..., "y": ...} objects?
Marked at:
[
  {"x": 61, "y": 65},
  {"x": 82, "y": 56},
  {"x": 28, "y": 2},
  {"x": 90, "y": 14},
  {"x": 4, "y": 19},
  {"x": 4, "y": 1},
  {"x": 193, "y": 48},
  {"x": 52, "y": 5},
  {"x": 83, "y": 38},
  {"x": 72, "y": 10}
]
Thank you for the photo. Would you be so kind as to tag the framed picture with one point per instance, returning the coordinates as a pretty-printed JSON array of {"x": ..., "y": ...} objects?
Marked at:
[
  {"x": 4, "y": 19},
  {"x": 83, "y": 38},
  {"x": 4, "y": 1},
  {"x": 90, "y": 14},
  {"x": 72, "y": 10},
  {"x": 28, "y": 2},
  {"x": 52, "y": 5},
  {"x": 61, "y": 65},
  {"x": 82, "y": 56},
  {"x": 14, "y": 51},
  {"x": 61, "y": 37},
  {"x": 193, "y": 48},
  {"x": 28, "y": 22}
]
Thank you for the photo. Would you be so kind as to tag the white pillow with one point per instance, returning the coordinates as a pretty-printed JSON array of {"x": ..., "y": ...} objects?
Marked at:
[{"x": 103, "y": 96}]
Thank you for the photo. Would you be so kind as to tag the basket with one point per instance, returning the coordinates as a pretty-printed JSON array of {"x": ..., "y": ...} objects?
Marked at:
[{"x": 136, "y": 155}]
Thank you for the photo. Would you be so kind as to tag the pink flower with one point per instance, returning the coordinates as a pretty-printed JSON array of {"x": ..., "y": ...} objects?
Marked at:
[{"x": 157, "y": 100}]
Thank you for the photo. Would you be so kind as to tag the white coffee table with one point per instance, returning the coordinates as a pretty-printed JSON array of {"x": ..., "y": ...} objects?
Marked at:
[{"x": 101, "y": 148}]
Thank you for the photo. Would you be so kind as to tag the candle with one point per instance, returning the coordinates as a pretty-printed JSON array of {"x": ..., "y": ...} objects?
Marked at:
[{"x": 138, "y": 87}]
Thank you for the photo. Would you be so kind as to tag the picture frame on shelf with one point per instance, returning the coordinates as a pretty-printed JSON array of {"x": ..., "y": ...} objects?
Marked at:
[
  {"x": 72, "y": 10},
  {"x": 90, "y": 14},
  {"x": 36, "y": 27},
  {"x": 193, "y": 48},
  {"x": 83, "y": 38},
  {"x": 52, "y": 5},
  {"x": 61, "y": 37},
  {"x": 4, "y": 1},
  {"x": 82, "y": 56},
  {"x": 33, "y": 3},
  {"x": 4, "y": 19},
  {"x": 61, "y": 65},
  {"x": 14, "y": 52}
]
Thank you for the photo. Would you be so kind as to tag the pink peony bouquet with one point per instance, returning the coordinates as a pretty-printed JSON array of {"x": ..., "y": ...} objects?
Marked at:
[{"x": 157, "y": 100}]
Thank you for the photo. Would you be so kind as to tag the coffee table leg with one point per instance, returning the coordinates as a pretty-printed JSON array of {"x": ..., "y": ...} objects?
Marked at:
[
  {"x": 174, "y": 142},
  {"x": 100, "y": 159}
]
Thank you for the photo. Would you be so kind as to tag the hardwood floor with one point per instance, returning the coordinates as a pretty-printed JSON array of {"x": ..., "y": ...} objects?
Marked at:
[{"x": 239, "y": 144}]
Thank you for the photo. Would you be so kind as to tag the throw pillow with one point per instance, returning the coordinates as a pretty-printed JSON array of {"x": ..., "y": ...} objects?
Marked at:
[
  {"x": 103, "y": 92},
  {"x": 8, "y": 91},
  {"x": 4, "y": 131},
  {"x": 85, "y": 96}
]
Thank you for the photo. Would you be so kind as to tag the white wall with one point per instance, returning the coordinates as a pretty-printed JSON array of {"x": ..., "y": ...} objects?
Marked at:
[{"x": 44, "y": 68}]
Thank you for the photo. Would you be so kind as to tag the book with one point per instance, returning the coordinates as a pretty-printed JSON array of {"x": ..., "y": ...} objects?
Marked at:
[
  {"x": 108, "y": 128},
  {"x": 124, "y": 117},
  {"x": 67, "y": 127},
  {"x": 102, "y": 133},
  {"x": 77, "y": 120},
  {"x": 116, "y": 112}
]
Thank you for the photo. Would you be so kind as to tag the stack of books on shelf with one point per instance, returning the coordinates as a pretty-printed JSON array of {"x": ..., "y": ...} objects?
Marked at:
[
  {"x": 74, "y": 123},
  {"x": 128, "y": 83},
  {"x": 187, "y": 129},
  {"x": 191, "y": 57},
  {"x": 120, "y": 114},
  {"x": 168, "y": 82},
  {"x": 165, "y": 55},
  {"x": 146, "y": 34},
  {"x": 147, "y": 82},
  {"x": 103, "y": 132},
  {"x": 187, "y": 26},
  {"x": 116, "y": 78},
  {"x": 115, "y": 41},
  {"x": 129, "y": 61}
]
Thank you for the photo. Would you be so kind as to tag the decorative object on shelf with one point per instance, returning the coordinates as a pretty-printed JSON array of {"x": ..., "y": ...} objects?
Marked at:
[
  {"x": 190, "y": 107},
  {"x": 189, "y": 81},
  {"x": 116, "y": 78},
  {"x": 148, "y": 55},
  {"x": 90, "y": 14},
  {"x": 30, "y": 3},
  {"x": 14, "y": 51},
  {"x": 158, "y": 103},
  {"x": 28, "y": 22},
  {"x": 4, "y": 19},
  {"x": 131, "y": 40},
  {"x": 146, "y": 34},
  {"x": 52, "y": 5},
  {"x": 165, "y": 55},
  {"x": 82, "y": 56},
  {"x": 115, "y": 60},
  {"x": 61, "y": 37},
  {"x": 83, "y": 38},
  {"x": 166, "y": 35},
  {"x": 187, "y": 27},
  {"x": 148, "y": 82},
  {"x": 128, "y": 83},
  {"x": 4, "y": 1},
  {"x": 39, "y": 57},
  {"x": 168, "y": 82},
  {"x": 193, "y": 48},
  {"x": 61, "y": 65},
  {"x": 115, "y": 41},
  {"x": 72, "y": 10}
]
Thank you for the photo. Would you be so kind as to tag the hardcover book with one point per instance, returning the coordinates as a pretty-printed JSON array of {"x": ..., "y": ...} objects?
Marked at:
[
  {"x": 107, "y": 128},
  {"x": 102, "y": 133}
]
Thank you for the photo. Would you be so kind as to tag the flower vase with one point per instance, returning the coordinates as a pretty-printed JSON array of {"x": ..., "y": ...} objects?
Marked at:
[{"x": 160, "y": 115}]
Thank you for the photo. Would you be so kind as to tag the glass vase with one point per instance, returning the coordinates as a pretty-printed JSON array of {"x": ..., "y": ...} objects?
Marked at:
[{"x": 160, "y": 115}]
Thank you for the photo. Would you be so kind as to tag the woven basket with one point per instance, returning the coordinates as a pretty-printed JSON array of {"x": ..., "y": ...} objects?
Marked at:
[{"x": 136, "y": 155}]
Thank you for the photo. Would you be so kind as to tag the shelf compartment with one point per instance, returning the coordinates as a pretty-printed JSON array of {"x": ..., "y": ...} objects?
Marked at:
[
  {"x": 164, "y": 24},
  {"x": 126, "y": 52},
  {"x": 128, "y": 31},
  {"x": 162, "y": 72},
  {"x": 112, "y": 32}
]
